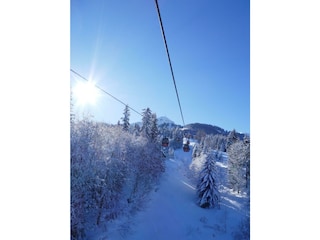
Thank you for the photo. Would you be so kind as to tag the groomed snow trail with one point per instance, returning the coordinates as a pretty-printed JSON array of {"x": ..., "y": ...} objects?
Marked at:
[{"x": 173, "y": 214}]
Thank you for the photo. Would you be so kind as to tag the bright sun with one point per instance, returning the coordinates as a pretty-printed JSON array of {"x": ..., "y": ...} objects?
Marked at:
[{"x": 85, "y": 93}]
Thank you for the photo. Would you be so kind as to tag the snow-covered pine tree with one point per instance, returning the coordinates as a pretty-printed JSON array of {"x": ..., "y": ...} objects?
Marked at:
[
  {"x": 154, "y": 128},
  {"x": 221, "y": 142},
  {"x": 125, "y": 118},
  {"x": 203, "y": 147},
  {"x": 239, "y": 165},
  {"x": 195, "y": 151},
  {"x": 136, "y": 130},
  {"x": 231, "y": 138},
  {"x": 207, "y": 189},
  {"x": 146, "y": 123}
]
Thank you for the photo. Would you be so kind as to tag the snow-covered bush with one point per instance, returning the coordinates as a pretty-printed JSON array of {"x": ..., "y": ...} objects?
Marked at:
[{"x": 109, "y": 167}]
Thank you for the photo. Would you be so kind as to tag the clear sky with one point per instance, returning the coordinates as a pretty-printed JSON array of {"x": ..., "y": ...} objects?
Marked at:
[{"x": 119, "y": 45}]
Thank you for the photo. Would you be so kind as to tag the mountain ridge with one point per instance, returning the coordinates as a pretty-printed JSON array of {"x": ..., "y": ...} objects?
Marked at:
[{"x": 193, "y": 128}]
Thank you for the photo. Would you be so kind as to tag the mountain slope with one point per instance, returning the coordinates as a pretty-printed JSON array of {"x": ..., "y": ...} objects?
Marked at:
[
  {"x": 207, "y": 128},
  {"x": 193, "y": 128}
]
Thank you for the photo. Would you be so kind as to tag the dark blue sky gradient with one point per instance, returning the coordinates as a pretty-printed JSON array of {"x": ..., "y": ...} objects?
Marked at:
[{"x": 119, "y": 44}]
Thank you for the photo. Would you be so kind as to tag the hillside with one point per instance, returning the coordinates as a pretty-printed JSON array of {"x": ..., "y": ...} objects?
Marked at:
[
  {"x": 207, "y": 128},
  {"x": 193, "y": 128}
]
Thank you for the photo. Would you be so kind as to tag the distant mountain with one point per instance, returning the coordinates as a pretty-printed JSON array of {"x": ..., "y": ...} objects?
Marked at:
[
  {"x": 193, "y": 128},
  {"x": 162, "y": 121},
  {"x": 207, "y": 128},
  {"x": 165, "y": 120}
]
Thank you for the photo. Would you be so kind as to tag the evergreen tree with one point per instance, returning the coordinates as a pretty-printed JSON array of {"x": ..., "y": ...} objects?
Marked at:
[
  {"x": 207, "y": 189},
  {"x": 239, "y": 165},
  {"x": 231, "y": 138},
  {"x": 201, "y": 146},
  {"x": 154, "y": 132},
  {"x": 195, "y": 151},
  {"x": 125, "y": 118},
  {"x": 146, "y": 123},
  {"x": 222, "y": 141},
  {"x": 136, "y": 130}
]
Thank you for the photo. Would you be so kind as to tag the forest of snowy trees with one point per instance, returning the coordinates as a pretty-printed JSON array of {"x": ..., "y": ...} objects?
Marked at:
[
  {"x": 114, "y": 167},
  {"x": 203, "y": 172},
  {"x": 112, "y": 170},
  {"x": 204, "y": 175}
]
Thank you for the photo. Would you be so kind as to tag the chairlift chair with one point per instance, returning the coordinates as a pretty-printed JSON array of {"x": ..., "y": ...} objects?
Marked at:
[
  {"x": 186, "y": 148},
  {"x": 165, "y": 142}
]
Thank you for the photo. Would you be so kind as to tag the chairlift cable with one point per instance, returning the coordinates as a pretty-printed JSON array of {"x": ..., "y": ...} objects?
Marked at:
[{"x": 167, "y": 50}]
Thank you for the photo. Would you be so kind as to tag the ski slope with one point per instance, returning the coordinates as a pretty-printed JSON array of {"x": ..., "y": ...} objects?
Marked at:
[{"x": 172, "y": 211}]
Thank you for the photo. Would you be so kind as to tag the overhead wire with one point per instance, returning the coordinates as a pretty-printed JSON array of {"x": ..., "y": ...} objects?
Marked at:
[
  {"x": 170, "y": 64},
  {"x": 167, "y": 50},
  {"x": 104, "y": 91}
]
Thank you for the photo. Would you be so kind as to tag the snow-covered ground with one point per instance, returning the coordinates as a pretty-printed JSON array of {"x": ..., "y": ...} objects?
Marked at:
[{"x": 172, "y": 211}]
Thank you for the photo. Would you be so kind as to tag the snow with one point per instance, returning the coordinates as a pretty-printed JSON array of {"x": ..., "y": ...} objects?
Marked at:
[
  {"x": 160, "y": 121},
  {"x": 172, "y": 211},
  {"x": 163, "y": 120}
]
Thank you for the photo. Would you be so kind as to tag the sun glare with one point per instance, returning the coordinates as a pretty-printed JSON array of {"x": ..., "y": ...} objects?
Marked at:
[{"x": 85, "y": 93}]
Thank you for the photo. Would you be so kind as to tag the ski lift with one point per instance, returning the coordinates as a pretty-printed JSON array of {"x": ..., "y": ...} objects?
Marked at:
[
  {"x": 186, "y": 141},
  {"x": 165, "y": 142},
  {"x": 186, "y": 148}
]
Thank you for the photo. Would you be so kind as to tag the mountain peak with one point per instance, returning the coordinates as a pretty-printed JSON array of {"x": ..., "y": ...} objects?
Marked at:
[{"x": 164, "y": 120}]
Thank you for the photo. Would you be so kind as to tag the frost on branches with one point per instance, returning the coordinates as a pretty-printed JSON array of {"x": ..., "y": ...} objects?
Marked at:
[
  {"x": 207, "y": 191},
  {"x": 112, "y": 171},
  {"x": 239, "y": 165}
]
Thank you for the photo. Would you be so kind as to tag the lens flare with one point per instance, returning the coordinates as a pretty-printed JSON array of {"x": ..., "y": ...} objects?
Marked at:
[{"x": 85, "y": 93}]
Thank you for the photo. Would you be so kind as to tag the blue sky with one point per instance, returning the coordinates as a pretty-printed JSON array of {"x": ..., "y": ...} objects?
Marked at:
[{"x": 119, "y": 45}]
